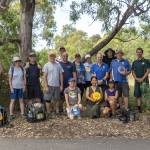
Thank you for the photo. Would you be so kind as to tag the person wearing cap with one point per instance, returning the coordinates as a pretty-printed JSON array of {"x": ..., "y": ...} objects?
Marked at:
[
  {"x": 33, "y": 72},
  {"x": 80, "y": 71},
  {"x": 73, "y": 99},
  {"x": 111, "y": 96},
  {"x": 53, "y": 83},
  {"x": 69, "y": 72},
  {"x": 120, "y": 68},
  {"x": 140, "y": 71},
  {"x": 109, "y": 56},
  {"x": 88, "y": 74},
  {"x": 17, "y": 84},
  {"x": 100, "y": 70}
]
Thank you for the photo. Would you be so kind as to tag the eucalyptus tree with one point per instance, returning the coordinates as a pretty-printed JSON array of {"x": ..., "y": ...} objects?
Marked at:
[{"x": 114, "y": 14}]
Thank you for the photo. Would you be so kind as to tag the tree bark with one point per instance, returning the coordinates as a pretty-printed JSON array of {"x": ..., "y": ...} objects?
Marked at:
[
  {"x": 26, "y": 24},
  {"x": 117, "y": 28}
]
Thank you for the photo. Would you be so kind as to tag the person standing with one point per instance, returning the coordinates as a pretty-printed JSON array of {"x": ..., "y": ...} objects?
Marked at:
[
  {"x": 61, "y": 51},
  {"x": 88, "y": 74},
  {"x": 53, "y": 83},
  {"x": 33, "y": 72},
  {"x": 140, "y": 71},
  {"x": 109, "y": 56},
  {"x": 101, "y": 71},
  {"x": 17, "y": 84},
  {"x": 1, "y": 68},
  {"x": 120, "y": 69},
  {"x": 80, "y": 71}
]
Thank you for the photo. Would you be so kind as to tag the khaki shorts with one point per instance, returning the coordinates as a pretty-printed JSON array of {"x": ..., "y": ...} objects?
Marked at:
[{"x": 52, "y": 95}]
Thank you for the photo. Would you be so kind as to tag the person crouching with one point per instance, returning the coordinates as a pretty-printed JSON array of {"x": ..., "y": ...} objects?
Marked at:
[{"x": 73, "y": 99}]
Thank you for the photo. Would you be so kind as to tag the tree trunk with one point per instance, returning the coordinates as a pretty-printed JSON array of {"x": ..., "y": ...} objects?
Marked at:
[
  {"x": 117, "y": 28},
  {"x": 26, "y": 24}
]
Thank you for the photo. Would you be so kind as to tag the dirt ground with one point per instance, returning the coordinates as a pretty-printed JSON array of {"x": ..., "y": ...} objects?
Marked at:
[{"x": 61, "y": 127}]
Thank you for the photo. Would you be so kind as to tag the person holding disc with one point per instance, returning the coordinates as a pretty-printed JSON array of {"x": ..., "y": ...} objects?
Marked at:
[{"x": 120, "y": 68}]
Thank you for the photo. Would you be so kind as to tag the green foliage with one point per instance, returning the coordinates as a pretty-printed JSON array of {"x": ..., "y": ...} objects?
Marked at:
[{"x": 75, "y": 41}]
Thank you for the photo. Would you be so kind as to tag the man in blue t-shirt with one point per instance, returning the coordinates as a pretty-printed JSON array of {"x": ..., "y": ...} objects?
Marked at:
[
  {"x": 120, "y": 68},
  {"x": 100, "y": 70}
]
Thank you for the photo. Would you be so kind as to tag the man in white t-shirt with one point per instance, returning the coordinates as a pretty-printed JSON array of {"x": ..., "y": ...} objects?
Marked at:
[
  {"x": 17, "y": 84},
  {"x": 53, "y": 79}
]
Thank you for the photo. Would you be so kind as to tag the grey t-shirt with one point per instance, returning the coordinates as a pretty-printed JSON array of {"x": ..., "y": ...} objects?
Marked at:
[
  {"x": 17, "y": 77},
  {"x": 73, "y": 95},
  {"x": 53, "y": 71}
]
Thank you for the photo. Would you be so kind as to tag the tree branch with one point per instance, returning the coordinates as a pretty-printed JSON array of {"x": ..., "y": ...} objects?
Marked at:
[
  {"x": 123, "y": 40},
  {"x": 4, "y": 4}
]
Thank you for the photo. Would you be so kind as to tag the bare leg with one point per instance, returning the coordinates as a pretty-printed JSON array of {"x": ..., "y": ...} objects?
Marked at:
[
  {"x": 21, "y": 102},
  {"x": 11, "y": 106},
  {"x": 126, "y": 102}
]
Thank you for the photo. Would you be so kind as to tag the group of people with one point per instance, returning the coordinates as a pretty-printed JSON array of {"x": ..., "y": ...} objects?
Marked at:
[{"x": 104, "y": 83}]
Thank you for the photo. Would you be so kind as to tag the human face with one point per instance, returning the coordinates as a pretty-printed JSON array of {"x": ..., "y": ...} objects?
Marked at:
[
  {"x": 17, "y": 63},
  {"x": 52, "y": 58},
  {"x": 65, "y": 57},
  {"x": 99, "y": 58},
  {"x": 119, "y": 55},
  {"x": 139, "y": 54},
  {"x": 111, "y": 85},
  {"x": 110, "y": 54},
  {"x": 88, "y": 60},
  {"x": 32, "y": 59},
  {"x": 94, "y": 82},
  {"x": 72, "y": 84},
  {"x": 62, "y": 50},
  {"x": 78, "y": 59}
]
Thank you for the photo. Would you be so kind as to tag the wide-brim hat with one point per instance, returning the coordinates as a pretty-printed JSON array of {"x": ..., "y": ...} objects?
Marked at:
[
  {"x": 16, "y": 58},
  {"x": 51, "y": 53},
  {"x": 32, "y": 54}
]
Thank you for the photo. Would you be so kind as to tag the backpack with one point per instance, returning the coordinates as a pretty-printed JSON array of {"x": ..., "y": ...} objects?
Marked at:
[
  {"x": 12, "y": 71},
  {"x": 35, "y": 112},
  {"x": 3, "y": 116}
]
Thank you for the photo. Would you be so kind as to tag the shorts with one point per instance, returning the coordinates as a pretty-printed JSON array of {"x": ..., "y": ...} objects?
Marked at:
[
  {"x": 17, "y": 94},
  {"x": 137, "y": 90},
  {"x": 34, "y": 92},
  {"x": 123, "y": 89},
  {"x": 52, "y": 95}
]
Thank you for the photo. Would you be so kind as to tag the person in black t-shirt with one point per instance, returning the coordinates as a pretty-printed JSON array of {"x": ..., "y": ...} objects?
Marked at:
[
  {"x": 33, "y": 72},
  {"x": 109, "y": 56}
]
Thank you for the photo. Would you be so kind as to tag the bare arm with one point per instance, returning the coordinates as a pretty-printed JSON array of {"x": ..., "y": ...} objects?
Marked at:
[
  {"x": 61, "y": 81},
  {"x": 10, "y": 83},
  {"x": 79, "y": 98},
  {"x": 67, "y": 100},
  {"x": 45, "y": 82},
  {"x": 87, "y": 94}
]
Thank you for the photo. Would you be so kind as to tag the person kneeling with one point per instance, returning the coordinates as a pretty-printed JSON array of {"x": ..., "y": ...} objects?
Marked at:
[
  {"x": 94, "y": 96},
  {"x": 111, "y": 95},
  {"x": 73, "y": 99}
]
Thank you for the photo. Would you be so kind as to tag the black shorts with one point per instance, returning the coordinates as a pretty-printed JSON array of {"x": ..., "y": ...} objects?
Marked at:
[{"x": 34, "y": 92}]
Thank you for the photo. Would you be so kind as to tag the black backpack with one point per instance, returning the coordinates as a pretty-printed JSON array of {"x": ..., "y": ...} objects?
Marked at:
[
  {"x": 3, "y": 116},
  {"x": 35, "y": 112}
]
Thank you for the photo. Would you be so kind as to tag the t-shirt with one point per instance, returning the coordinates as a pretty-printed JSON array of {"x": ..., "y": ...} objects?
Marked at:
[
  {"x": 140, "y": 67},
  {"x": 80, "y": 70},
  {"x": 68, "y": 68},
  {"x": 17, "y": 77},
  {"x": 111, "y": 93},
  {"x": 72, "y": 95},
  {"x": 115, "y": 67},
  {"x": 53, "y": 71},
  {"x": 100, "y": 70},
  {"x": 88, "y": 73},
  {"x": 108, "y": 60},
  {"x": 33, "y": 75}
]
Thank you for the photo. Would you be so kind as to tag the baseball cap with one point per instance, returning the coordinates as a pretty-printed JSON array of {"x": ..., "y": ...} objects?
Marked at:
[
  {"x": 16, "y": 58},
  {"x": 87, "y": 56},
  {"x": 71, "y": 80}
]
